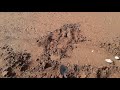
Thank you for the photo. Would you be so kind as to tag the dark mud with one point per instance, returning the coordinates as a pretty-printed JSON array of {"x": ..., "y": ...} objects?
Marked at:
[{"x": 61, "y": 41}]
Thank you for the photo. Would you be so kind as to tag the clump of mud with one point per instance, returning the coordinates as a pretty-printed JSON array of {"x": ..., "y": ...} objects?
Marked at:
[
  {"x": 58, "y": 43},
  {"x": 14, "y": 61},
  {"x": 17, "y": 63},
  {"x": 108, "y": 72},
  {"x": 112, "y": 47}
]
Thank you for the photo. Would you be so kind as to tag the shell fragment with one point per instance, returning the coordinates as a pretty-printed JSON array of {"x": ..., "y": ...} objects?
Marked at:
[
  {"x": 117, "y": 58},
  {"x": 109, "y": 60},
  {"x": 92, "y": 51}
]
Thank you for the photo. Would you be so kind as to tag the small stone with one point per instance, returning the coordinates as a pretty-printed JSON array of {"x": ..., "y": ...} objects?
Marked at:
[
  {"x": 117, "y": 58},
  {"x": 63, "y": 69},
  {"x": 92, "y": 51},
  {"x": 109, "y": 60}
]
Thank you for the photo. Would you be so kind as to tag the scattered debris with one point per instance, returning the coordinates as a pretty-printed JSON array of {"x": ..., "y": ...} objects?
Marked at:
[
  {"x": 103, "y": 72},
  {"x": 112, "y": 46},
  {"x": 57, "y": 45},
  {"x": 92, "y": 51},
  {"x": 14, "y": 60}
]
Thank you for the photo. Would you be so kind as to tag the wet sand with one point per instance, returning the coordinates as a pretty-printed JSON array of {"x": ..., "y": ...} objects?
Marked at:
[{"x": 28, "y": 35}]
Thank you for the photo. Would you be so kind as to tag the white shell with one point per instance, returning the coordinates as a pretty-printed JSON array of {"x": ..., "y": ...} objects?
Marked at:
[
  {"x": 92, "y": 51},
  {"x": 116, "y": 57},
  {"x": 109, "y": 60}
]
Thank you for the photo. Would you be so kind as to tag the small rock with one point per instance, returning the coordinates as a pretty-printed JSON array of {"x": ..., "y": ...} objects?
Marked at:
[
  {"x": 92, "y": 51},
  {"x": 117, "y": 58},
  {"x": 63, "y": 69},
  {"x": 109, "y": 60}
]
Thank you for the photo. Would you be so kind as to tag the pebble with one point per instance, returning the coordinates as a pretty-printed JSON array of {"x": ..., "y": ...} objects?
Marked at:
[
  {"x": 63, "y": 69},
  {"x": 109, "y": 60},
  {"x": 92, "y": 51},
  {"x": 117, "y": 58}
]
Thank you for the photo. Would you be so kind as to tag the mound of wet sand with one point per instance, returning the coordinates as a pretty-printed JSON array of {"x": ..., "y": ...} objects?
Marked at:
[{"x": 58, "y": 43}]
